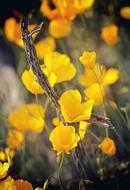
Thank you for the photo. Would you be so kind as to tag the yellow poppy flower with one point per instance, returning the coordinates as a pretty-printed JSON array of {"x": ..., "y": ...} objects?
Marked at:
[
  {"x": 125, "y": 12},
  {"x": 88, "y": 59},
  {"x": 45, "y": 46},
  {"x": 15, "y": 139},
  {"x": 108, "y": 146},
  {"x": 64, "y": 138},
  {"x": 3, "y": 169},
  {"x": 71, "y": 107},
  {"x": 110, "y": 34},
  {"x": 95, "y": 92},
  {"x": 23, "y": 185},
  {"x": 59, "y": 28},
  {"x": 99, "y": 74},
  {"x": 13, "y": 32},
  {"x": 28, "y": 117},
  {"x": 7, "y": 184},
  {"x": 60, "y": 65},
  {"x": 30, "y": 82}
]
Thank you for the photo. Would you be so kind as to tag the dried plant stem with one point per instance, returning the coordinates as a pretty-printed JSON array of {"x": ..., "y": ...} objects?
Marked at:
[{"x": 42, "y": 79}]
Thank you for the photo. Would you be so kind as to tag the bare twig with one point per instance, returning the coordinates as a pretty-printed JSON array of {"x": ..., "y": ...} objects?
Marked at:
[
  {"x": 35, "y": 65},
  {"x": 42, "y": 79}
]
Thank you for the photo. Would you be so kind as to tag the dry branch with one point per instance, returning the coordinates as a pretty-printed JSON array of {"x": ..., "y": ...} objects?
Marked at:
[{"x": 42, "y": 79}]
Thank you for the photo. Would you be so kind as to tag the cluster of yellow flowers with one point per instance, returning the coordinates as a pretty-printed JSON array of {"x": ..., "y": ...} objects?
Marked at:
[
  {"x": 53, "y": 63},
  {"x": 65, "y": 138},
  {"x": 63, "y": 14},
  {"x": 96, "y": 78},
  {"x": 8, "y": 183}
]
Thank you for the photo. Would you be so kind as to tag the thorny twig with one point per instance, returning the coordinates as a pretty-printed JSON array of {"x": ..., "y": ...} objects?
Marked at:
[{"x": 42, "y": 79}]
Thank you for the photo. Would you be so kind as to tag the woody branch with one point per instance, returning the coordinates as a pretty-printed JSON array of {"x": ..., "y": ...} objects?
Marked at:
[{"x": 42, "y": 79}]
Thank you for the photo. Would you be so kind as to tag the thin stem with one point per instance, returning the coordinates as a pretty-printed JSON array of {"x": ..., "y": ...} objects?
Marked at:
[
  {"x": 93, "y": 134},
  {"x": 37, "y": 101},
  {"x": 59, "y": 170}
]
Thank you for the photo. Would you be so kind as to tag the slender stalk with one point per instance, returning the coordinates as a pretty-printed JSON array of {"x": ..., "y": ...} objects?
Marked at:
[{"x": 59, "y": 170}]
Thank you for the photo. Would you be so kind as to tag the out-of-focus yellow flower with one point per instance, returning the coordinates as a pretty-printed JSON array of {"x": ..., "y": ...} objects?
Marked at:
[
  {"x": 56, "y": 121},
  {"x": 71, "y": 107},
  {"x": 3, "y": 169},
  {"x": 108, "y": 146},
  {"x": 110, "y": 76},
  {"x": 83, "y": 5},
  {"x": 82, "y": 129},
  {"x": 38, "y": 188},
  {"x": 15, "y": 139},
  {"x": 60, "y": 28},
  {"x": 125, "y": 12},
  {"x": 45, "y": 46},
  {"x": 64, "y": 138},
  {"x": 23, "y": 185},
  {"x": 99, "y": 75},
  {"x": 95, "y": 92},
  {"x": 88, "y": 59},
  {"x": 66, "y": 8},
  {"x": 13, "y": 32},
  {"x": 63, "y": 9},
  {"x": 62, "y": 14},
  {"x": 7, "y": 184},
  {"x": 6, "y": 154},
  {"x": 60, "y": 65},
  {"x": 30, "y": 82},
  {"x": 110, "y": 34},
  {"x": 28, "y": 117},
  {"x": 47, "y": 11}
]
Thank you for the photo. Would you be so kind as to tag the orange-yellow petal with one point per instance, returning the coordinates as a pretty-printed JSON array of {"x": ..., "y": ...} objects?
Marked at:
[
  {"x": 45, "y": 46},
  {"x": 110, "y": 76},
  {"x": 95, "y": 92},
  {"x": 30, "y": 82},
  {"x": 88, "y": 59},
  {"x": 64, "y": 138},
  {"x": 21, "y": 184},
  {"x": 110, "y": 34},
  {"x": 108, "y": 146},
  {"x": 125, "y": 12},
  {"x": 28, "y": 117},
  {"x": 71, "y": 107},
  {"x": 92, "y": 76},
  {"x": 60, "y": 65},
  {"x": 60, "y": 28}
]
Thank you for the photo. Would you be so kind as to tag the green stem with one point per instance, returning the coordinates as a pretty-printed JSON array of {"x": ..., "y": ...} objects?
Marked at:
[
  {"x": 59, "y": 170},
  {"x": 95, "y": 136}
]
